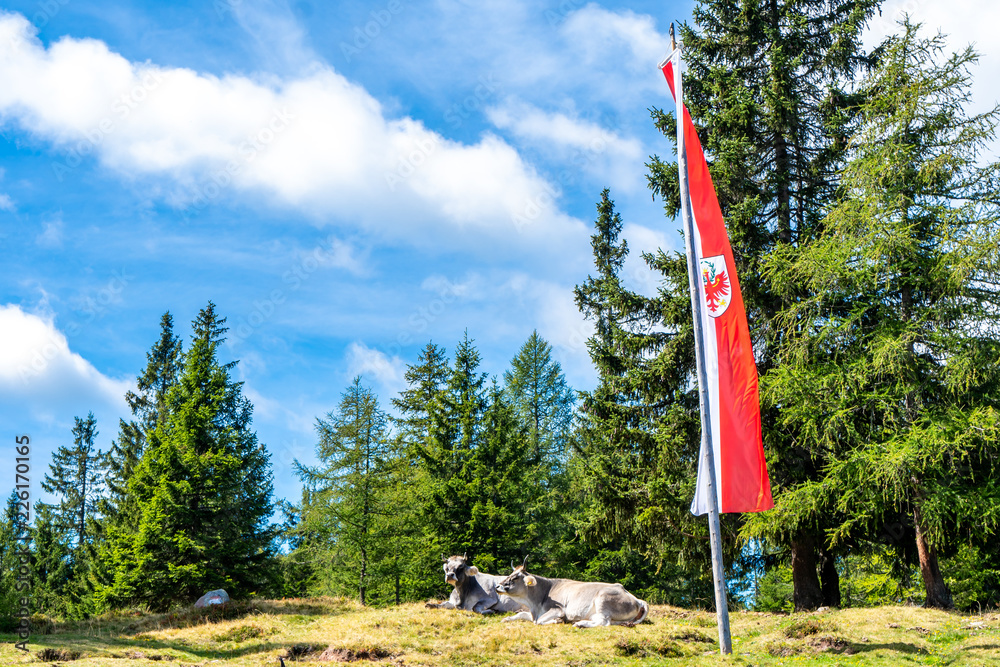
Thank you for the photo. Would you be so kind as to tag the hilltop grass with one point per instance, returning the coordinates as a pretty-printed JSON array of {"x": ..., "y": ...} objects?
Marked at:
[{"x": 336, "y": 630}]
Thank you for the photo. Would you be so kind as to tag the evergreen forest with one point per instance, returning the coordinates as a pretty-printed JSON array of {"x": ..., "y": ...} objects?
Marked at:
[{"x": 862, "y": 201}]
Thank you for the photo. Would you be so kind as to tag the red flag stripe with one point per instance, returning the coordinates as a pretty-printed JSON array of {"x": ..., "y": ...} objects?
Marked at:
[{"x": 741, "y": 470}]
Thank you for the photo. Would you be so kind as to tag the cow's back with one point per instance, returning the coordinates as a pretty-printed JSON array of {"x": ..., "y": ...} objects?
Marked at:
[{"x": 582, "y": 599}]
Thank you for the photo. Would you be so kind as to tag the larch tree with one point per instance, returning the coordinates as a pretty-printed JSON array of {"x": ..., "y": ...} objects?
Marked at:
[
  {"x": 349, "y": 512},
  {"x": 537, "y": 388},
  {"x": 770, "y": 85},
  {"x": 892, "y": 360}
]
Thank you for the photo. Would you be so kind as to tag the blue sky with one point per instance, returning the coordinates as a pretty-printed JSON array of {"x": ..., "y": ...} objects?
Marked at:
[{"x": 345, "y": 180}]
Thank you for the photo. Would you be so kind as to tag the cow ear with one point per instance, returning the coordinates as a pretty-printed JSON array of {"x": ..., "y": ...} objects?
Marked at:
[
  {"x": 472, "y": 569},
  {"x": 530, "y": 581}
]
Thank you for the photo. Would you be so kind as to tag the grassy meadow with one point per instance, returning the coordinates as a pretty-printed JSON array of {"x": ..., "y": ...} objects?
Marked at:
[{"x": 336, "y": 630}]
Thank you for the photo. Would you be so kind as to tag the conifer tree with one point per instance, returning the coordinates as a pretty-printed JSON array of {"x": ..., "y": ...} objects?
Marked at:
[
  {"x": 892, "y": 364},
  {"x": 54, "y": 589},
  {"x": 638, "y": 436},
  {"x": 202, "y": 491},
  {"x": 507, "y": 497},
  {"x": 455, "y": 414},
  {"x": 9, "y": 561},
  {"x": 149, "y": 407},
  {"x": 76, "y": 475},
  {"x": 349, "y": 512},
  {"x": 769, "y": 82},
  {"x": 537, "y": 388},
  {"x": 426, "y": 379}
]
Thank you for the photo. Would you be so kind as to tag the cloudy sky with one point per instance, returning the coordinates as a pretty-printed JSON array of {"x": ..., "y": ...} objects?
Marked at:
[{"x": 345, "y": 180}]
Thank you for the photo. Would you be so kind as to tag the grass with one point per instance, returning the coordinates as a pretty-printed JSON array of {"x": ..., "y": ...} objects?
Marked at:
[{"x": 325, "y": 630}]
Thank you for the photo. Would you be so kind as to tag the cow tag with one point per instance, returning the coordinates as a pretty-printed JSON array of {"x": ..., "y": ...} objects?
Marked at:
[{"x": 530, "y": 581}]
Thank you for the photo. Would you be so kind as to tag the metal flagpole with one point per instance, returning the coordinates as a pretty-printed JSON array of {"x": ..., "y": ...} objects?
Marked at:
[{"x": 694, "y": 280}]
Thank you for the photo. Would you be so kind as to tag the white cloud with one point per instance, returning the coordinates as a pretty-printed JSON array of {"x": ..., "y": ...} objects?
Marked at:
[
  {"x": 317, "y": 142},
  {"x": 37, "y": 368},
  {"x": 374, "y": 365},
  {"x": 6, "y": 203},
  {"x": 580, "y": 143},
  {"x": 615, "y": 41}
]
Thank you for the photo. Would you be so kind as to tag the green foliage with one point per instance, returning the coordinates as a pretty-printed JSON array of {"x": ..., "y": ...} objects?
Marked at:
[
  {"x": 201, "y": 492},
  {"x": 877, "y": 577},
  {"x": 76, "y": 475},
  {"x": 774, "y": 591},
  {"x": 9, "y": 562},
  {"x": 348, "y": 515},
  {"x": 890, "y": 367},
  {"x": 973, "y": 578}
]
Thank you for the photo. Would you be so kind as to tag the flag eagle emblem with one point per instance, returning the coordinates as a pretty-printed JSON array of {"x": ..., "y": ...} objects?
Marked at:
[{"x": 717, "y": 288}]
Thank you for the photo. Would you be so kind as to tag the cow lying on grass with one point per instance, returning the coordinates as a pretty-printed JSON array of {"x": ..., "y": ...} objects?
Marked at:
[
  {"x": 473, "y": 590},
  {"x": 585, "y": 604}
]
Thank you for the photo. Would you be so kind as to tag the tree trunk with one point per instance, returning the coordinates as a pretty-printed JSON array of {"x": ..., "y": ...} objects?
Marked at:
[
  {"x": 807, "y": 593},
  {"x": 829, "y": 579},
  {"x": 938, "y": 594}
]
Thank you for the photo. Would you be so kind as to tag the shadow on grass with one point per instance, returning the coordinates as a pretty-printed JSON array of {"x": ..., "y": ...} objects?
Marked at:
[
  {"x": 898, "y": 647},
  {"x": 132, "y": 622},
  {"x": 119, "y": 647}
]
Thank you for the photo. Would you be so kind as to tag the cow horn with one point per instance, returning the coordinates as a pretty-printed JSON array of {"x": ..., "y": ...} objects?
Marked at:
[
  {"x": 465, "y": 556},
  {"x": 512, "y": 566},
  {"x": 444, "y": 559},
  {"x": 525, "y": 563}
]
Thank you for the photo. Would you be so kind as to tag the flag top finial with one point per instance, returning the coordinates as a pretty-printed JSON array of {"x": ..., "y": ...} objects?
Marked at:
[{"x": 673, "y": 40}]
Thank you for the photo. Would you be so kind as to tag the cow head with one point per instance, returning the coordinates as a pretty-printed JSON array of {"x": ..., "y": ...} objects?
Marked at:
[
  {"x": 457, "y": 568},
  {"x": 518, "y": 583}
]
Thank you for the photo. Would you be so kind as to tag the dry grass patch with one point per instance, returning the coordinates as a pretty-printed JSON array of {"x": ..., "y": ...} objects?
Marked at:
[{"x": 254, "y": 634}]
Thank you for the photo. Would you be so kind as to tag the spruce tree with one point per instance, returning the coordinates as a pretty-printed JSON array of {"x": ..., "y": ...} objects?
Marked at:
[
  {"x": 54, "y": 589},
  {"x": 638, "y": 437},
  {"x": 455, "y": 429},
  {"x": 76, "y": 475},
  {"x": 10, "y": 531},
  {"x": 892, "y": 361},
  {"x": 417, "y": 572},
  {"x": 506, "y": 490},
  {"x": 770, "y": 85},
  {"x": 202, "y": 491},
  {"x": 149, "y": 408}
]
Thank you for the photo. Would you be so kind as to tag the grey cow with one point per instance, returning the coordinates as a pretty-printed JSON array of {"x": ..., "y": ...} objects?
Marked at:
[
  {"x": 473, "y": 590},
  {"x": 583, "y": 603}
]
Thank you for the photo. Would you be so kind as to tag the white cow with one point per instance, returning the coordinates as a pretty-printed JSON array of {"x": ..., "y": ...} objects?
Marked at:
[{"x": 585, "y": 604}]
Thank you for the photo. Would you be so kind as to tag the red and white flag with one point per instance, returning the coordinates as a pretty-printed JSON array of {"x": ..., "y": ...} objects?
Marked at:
[{"x": 741, "y": 480}]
